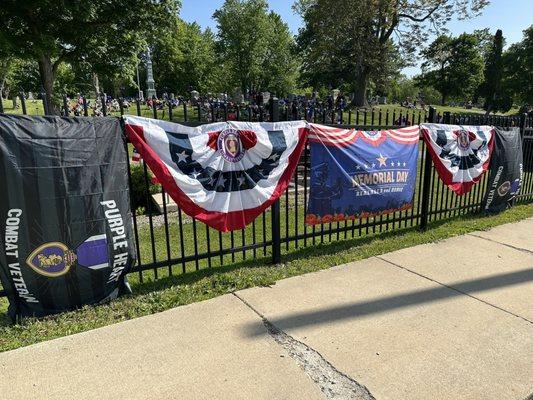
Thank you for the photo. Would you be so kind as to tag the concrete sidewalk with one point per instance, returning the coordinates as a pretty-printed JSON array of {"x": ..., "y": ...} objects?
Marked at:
[{"x": 450, "y": 320}]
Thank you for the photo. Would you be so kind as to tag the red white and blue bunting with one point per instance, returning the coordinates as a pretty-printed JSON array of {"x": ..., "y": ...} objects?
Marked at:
[
  {"x": 223, "y": 174},
  {"x": 461, "y": 154}
]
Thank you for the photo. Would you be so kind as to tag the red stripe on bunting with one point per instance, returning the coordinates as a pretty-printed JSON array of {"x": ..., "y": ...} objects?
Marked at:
[{"x": 338, "y": 137}]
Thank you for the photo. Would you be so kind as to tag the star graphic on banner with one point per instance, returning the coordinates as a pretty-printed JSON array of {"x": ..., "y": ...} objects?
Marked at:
[
  {"x": 212, "y": 180},
  {"x": 182, "y": 157},
  {"x": 274, "y": 157},
  {"x": 373, "y": 165},
  {"x": 404, "y": 164},
  {"x": 195, "y": 174},
  {"x": 392, "y": 164},
  {"x": 221, "y": 181},
  {"x": 366, "y": 166},
  {"x": 358, "y": 167},
  {"x": 241, "y": 180},
  {"x": 382, "y": 160}
]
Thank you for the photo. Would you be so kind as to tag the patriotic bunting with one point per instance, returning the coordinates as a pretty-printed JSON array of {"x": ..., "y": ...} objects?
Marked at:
[
  {"x": 223, "y": 174},
  {"x": 461, "y": 154},
  {"x": 506, "y": 170},
  {"x": 360, "y": 174}
]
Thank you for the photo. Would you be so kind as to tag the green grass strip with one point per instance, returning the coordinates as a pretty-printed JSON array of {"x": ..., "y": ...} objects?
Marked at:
[{"x": 155, "y": 296}]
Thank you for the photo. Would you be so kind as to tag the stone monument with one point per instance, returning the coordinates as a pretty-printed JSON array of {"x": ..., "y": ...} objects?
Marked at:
[{"x": 150, "y": 92}]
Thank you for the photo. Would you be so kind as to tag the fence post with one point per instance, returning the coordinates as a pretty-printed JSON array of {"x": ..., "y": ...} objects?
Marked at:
[
  {"x": 169, "y": 103},
  {"x": 85, "y": 107},
  {"x": 138, "y": 106},
  {"x": 65, "y": 105},
  {"x": 103, "y": 100},
  {"x": 46, "y": 109},
  {"x": 275, "y": 208},
  {"x": 121, "y": 105},
  {"x": 23, "y": 101},
  {"x": 424, "y": 212},
  {"x": 47, "y": 103},
  {"x": 523, "y": 119},
  {"x": 154, "y": 107},
  {"x": 1, "y": 102}
]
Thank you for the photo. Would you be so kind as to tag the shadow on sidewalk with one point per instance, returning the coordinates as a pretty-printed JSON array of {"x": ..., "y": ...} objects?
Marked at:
[{"x": 385, "y": 304}]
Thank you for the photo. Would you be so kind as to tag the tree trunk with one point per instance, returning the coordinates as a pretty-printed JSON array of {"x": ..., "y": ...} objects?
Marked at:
[
  {"x": 46, "y": 71},
  {"x": 96, "y": 84},
  {"x": 359, "y": 99},
  {"x": 489, "y": 109},
  {"x": 443, "y": 99}
]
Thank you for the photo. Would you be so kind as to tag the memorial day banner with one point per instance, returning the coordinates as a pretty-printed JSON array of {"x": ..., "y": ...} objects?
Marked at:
[
  {"x": 461, "y": 154},
  {"x": 506, "y": 170},
  {"x": 360, "y": 174},
  {"x": 223, "y": 174},
  {"x": 65, "y": 214}
]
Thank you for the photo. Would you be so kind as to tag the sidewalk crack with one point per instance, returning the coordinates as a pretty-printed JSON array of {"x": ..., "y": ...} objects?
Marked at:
[
  {"x": 503, "y": 244},
  {"x": 334, "y": 384},
  {"x": 454, "y": 289}
]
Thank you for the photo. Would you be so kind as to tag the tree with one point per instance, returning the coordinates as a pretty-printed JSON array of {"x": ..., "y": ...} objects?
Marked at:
[
  {"x": 518, "y": 69},
  {"x": 255, "y": 46},
  {"x": 184, "y": 58},
  {"x": 349, "y": 40},
  {"x": 53, "y": 32},
  {"x": 199, "y": 68},
  {"x": 280, "y": 61},
  {"x": 401, "y": 89},
  {"x": 491, "y": 88},
  {"x": 453, "y": 66}
]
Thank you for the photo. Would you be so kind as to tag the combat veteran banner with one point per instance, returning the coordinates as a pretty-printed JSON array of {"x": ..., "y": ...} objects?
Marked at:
[
  {"x": 506, "y": 170},
  {"x": 461, "y": 154},
  {"x": 64, "y": 213},
  {"x": 224, "y": 174},
  {"x": 360, "y": 174}
]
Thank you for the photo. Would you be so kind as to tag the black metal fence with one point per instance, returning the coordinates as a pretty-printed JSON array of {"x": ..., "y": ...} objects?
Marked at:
[{"x": 173, "y": 243}]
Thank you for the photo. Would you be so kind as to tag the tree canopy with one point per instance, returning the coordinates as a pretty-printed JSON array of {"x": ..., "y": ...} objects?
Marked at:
[
  {"x": 184, "y": 58},
  {"x": 518, "y": 68},
  {"x": 357, "y": 46},
  {"x": 256, "y": 46},
  {"x": 350, "y": 40},
  {"x": 98, "y": 32},
  {"x": 492, "y": 87},
  {"x": 453, "y": 66}
]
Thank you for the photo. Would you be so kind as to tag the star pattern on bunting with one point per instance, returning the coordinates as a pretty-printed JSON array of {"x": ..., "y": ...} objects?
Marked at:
[{"x": 182, "y": 157}]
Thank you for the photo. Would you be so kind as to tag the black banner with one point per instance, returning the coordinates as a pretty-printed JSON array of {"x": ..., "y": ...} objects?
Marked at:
[
  {"x": 506, "y": 171},
  {"x": 65, "y": 214}
]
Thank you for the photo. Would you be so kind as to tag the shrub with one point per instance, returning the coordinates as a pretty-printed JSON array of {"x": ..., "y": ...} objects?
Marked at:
[{"x": 138, "y": 188}]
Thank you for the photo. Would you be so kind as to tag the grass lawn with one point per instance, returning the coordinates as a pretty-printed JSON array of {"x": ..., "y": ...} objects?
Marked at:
[
  {"x": 35, "y": 107},
  {"x": 442, "y": 109},
  {"x": 153, "y": 296}
]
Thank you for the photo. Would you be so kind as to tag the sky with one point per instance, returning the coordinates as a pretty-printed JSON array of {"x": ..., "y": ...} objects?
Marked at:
[{"x": 511, "y": 16}]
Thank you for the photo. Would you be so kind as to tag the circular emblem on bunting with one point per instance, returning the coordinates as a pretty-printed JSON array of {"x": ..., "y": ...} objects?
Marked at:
[
  {"x": 463, "y": 139},
  {"x": 230, "y": 145},
  {"x": 504, "y": 188}
]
